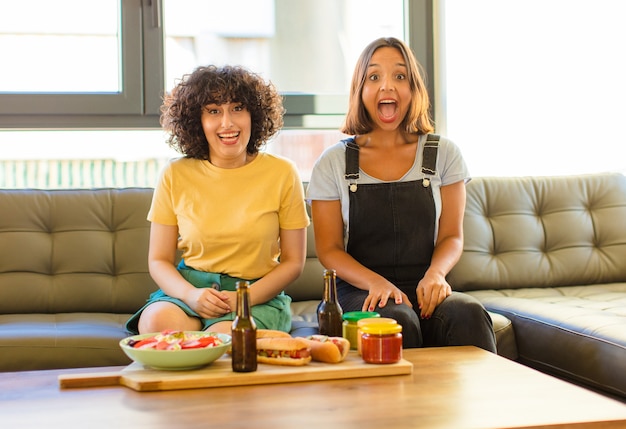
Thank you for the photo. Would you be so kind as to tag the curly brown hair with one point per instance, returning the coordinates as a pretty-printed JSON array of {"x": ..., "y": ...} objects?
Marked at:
[{"x": 182, "y": 109}]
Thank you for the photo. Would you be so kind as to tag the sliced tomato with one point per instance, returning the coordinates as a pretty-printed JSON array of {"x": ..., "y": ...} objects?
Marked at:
[
  {"x": 202, "y": 342},
  {"x": 209, "y": 341},
  {"x": 162, "y": 345},
  {"x": 145, "y": 343}
]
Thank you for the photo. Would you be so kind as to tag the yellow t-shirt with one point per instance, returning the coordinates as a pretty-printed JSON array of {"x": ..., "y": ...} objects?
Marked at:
[{"x": 229, "y": 219}]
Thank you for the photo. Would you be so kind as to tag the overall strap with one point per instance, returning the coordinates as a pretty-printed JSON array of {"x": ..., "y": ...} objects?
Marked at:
[
  {"x": 429, "y": 160},
  {"x": 352, "y": 164},
  {"x": 429, "y": 157}
]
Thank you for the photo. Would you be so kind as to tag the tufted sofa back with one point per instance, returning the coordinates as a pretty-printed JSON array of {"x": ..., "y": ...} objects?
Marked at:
[
  {"x": 86, "y": 250},
  {"x": 543, "y": 231},
  {"x": 65, "y": 251}
]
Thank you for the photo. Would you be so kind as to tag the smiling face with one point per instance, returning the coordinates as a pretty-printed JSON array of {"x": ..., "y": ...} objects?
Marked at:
[
  {"x": 227, "y": 128},
  {"x": 386, "y": 91}
]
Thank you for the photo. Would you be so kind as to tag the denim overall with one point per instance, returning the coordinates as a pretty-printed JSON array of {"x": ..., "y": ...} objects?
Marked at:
[
  {"x": 392, "y": 225},
  {"x": 392, "y": 230}
]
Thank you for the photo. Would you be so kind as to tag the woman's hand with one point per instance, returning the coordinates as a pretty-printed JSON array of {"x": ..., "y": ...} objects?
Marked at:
[
  {"x": 431, "y": 291},
  {"x": 433, "y": 288},
  {"x": 210, "y": 303},
  {"x": 380, "y": 293}
]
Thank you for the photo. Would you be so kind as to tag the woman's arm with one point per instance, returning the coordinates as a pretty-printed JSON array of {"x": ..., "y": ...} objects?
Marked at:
[
  {"x": 292, "y": 258},
  {"x": 434, "y": 288},
  {"x": 329, "y": 245},
  {"x": 207, "y": 302}
]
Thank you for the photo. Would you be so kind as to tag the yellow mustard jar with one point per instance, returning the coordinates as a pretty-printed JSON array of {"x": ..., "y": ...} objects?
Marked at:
[{"x": 350, "y": 327}]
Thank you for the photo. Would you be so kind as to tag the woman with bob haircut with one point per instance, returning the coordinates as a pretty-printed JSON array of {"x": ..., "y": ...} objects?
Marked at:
[
  {"x": 388, "y": 203},
  {"x": 233, "y": 212},
  {"x": 417, "y": 119}
]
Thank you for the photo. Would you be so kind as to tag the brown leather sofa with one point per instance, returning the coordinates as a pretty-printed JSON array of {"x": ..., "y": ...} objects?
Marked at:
[
  {"x": 73, "y": 267},
  {"x": 549, "y": 253}
]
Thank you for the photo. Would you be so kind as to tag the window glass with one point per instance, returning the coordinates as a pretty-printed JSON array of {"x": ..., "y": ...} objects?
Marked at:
[
  {"x": 306, "y": 46},
  {"x": 535, "y": 86},
  {"x": 45, "y": 48}
]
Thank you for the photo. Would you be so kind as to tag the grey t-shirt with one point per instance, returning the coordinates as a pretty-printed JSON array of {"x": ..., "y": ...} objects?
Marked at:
[{"x": 328, "y": 183}]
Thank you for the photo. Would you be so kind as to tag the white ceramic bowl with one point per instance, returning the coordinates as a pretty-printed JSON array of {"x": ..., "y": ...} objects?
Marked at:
[{"x": 176, "y": 359}]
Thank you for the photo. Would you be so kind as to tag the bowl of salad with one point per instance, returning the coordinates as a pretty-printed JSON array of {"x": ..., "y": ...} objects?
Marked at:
[{"x": 176, "y": 350}]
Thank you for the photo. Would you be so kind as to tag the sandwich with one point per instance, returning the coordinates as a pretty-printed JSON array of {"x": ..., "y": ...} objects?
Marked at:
[{"x": 283, "y": 351}]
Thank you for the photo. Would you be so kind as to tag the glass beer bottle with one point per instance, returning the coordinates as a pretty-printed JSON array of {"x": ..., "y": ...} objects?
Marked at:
[
  {"x": 243, "y": 332},
  {"x": 329, "y": 312}
]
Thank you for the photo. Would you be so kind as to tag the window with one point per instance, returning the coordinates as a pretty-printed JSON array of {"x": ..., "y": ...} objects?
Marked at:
[
  {"x": 534, "y": 87},
  {"x": 307, "y": 48},
  {"x": 60, "y": 70},
  {"x": 76, "y": 131},
  {"x": 110, "y": 67}
]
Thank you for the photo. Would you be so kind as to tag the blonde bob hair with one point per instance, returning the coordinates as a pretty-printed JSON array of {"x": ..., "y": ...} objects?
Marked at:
[{"x": 417, "y": 119}]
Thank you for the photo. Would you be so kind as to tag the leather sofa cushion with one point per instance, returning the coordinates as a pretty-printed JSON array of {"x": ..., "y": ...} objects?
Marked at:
[
  {"x": 536, "y": 232},
  {"x": 65, "y": 340},
  {"x": 577, "y": 332}
]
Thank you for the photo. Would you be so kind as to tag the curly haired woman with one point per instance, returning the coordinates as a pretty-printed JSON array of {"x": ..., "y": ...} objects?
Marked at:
[{"x": 230, "y": 209}]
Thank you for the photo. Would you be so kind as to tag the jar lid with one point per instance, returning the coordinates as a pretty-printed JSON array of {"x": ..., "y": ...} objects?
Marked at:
[
  {"x": 381, "y": 328},
  {"x": 377, "y": 320},
  {"x": 354, "y": 316}
]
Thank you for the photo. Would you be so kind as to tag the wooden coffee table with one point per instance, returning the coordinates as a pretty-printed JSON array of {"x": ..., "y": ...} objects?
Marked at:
[{"x": 451, "y": 388}]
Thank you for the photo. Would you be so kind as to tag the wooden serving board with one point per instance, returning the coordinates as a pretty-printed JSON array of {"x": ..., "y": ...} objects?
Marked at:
[{"x": 220, "y": 374}]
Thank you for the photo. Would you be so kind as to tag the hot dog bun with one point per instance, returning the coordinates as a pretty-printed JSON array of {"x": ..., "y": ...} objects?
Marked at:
[
  {"x": 283, "y": 351},
  {"x": 271, "y": 333},
  {"x": 328, "y": 349}
]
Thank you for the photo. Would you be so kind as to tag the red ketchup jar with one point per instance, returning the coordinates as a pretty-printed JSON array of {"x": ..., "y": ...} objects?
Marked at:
[
  {"x": 376, "y": 320},
  {"x": 381, "y": 343}
]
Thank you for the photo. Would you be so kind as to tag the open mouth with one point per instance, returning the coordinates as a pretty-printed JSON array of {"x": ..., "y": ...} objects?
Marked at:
[
  {"x": 387, "y": 110},
  {"x": 228, "y": 137}
]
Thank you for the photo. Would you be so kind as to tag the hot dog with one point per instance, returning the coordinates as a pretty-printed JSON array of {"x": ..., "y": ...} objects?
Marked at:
[
  {"x": 328, "y": 349},
  {"x": 283, "y": 351}
]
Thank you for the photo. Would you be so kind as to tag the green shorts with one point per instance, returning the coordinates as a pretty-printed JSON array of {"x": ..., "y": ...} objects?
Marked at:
[{"x": 273, "y": 314}]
